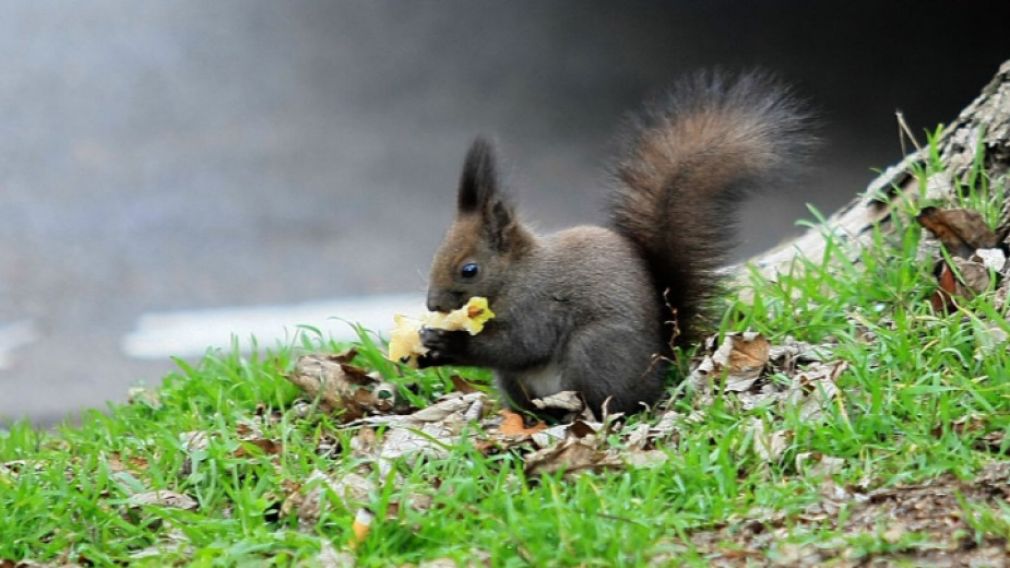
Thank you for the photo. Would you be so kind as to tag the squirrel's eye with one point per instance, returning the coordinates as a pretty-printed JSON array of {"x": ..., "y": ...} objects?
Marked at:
[{"x": 469, "y": 270}]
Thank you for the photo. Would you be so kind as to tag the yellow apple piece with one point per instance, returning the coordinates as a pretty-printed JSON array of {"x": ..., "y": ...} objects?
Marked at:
[{"x": 405, "y": 339}]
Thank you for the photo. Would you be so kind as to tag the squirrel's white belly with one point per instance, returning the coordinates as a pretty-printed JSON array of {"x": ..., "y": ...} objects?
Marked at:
[{"x": 542, "y": 381}]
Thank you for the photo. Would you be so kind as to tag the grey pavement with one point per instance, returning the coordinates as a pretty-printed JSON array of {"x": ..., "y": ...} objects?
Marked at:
[{"x": 159, "y": 156}]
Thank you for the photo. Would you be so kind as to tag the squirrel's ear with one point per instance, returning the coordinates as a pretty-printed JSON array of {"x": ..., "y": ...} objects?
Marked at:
[
  {"x": 479, "y": 182},
  {"x": 479, "y": 194},
  {"x": 500, "y": 225}
]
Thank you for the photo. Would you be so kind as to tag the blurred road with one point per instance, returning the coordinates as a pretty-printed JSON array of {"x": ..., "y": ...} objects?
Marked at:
[{"x": 162, "y": 156}]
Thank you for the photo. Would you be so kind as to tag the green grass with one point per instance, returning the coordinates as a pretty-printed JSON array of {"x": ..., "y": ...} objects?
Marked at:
[{"x": 912, "y": 374}]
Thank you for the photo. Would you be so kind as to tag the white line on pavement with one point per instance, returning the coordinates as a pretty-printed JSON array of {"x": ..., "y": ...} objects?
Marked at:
[
  {"x": 191, "y": 332},
  {"x": 15, "y": 335}
]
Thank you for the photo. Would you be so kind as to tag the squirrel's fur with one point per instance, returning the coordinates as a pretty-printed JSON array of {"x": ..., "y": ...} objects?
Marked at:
[{"x": 588, "y": 308}]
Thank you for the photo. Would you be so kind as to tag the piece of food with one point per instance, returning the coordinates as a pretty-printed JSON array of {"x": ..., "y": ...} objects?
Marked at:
[
  {"x": 361, "y": 527},
  {"x": 405, "y": 339}
]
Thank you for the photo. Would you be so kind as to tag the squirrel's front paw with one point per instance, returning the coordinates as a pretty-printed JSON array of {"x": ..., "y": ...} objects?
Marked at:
[{"x": 444, "y": 347}]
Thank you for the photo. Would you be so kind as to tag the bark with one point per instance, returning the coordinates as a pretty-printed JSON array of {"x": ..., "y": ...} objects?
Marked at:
[{"x": 985, "y": 121}]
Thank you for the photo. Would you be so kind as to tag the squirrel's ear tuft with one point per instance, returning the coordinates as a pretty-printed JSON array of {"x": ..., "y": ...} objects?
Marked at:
[
  {"x": 479, "y": 182},
  {"x": 500, "y": 225}
]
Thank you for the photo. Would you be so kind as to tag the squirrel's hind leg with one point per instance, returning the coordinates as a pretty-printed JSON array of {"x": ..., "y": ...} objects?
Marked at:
[{"x": 616, "y": 367}]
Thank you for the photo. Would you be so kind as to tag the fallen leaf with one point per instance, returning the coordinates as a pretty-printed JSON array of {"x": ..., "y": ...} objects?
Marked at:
[
  {"x": 134, "y": 464},
  {"x": 990, "y": 338},
  {"x": 571, "y": 455},
  {"x": 249, "y": 434},
  {"x": 942, "y": 299},
  {"x": 194, "y": 441},
  {"x": 341, "y": 386},
  {"x": 141, "y": 395},
  {"x": 162, "y": 498},
  {"x": 514, "y": 425},
  {"x": 814, "y": 388},
  {"x": 645, "y": 459},
  {"x": 769, "y": 447},
  {"x": 438, "y": 563},
  {"x": 741, "y": 357},
  {"x": 974, "y": 276},
  {"x": 309, "y": 500},
  {"x": 569, "y": 401},
  {"x": 993, "y": 259},
  {"x": 329, "y": 557},
  {"x": 813, "y": 463},
  {"x": 462, "y": 385},
  {"x": 960, "y": 230}
]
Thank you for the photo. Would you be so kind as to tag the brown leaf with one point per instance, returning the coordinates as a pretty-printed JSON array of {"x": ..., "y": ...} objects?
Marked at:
[
  {"x": 269, "y": 447},
  {"x": 645, "y": 459},
  {"x": 462, "y": 385},
  {"x": 329, "y": 557},
  {"x": 514, "y": 425},
  {"x": 974, "y": 275},
  {"x": 249, "y": 434},
  {"x": 141, "y": 395},
  {"x": 971, "y": 277},
  {"x": 135, "y": 464},
  {"x": 309, "y": 500},
  {"x": 942, "y": 299},
  {"x": 569, "y": 401},
  {"x": 769, "y": 446},
  {"x": 741, "y": 356},
  {"x": 163, "y": 498},
  {"x": 342, "y": 386},
  {"x": 814, "y": 463},
  {"x": 960, "y": 230},
  {"x": 572, "y": 455},
  {"x": 940, "y": 511}
]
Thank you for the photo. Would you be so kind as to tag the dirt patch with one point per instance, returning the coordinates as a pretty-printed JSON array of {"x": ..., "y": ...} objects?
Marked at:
[{"x": 928, "y": 524}]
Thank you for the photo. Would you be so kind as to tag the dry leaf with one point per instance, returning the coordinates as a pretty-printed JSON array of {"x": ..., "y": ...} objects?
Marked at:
[
  {"x": 194, "y": 441},
  {"x": 769, "y": 446},
  {"x": 462, "y": 385},
  {"x": 993, "y": 259},
  {"x": 960, "y": 230},
  {"x": 942, "y": 299},
  {"x": 741, "y": 356},
  {"x": 974, "y": 275},
  {"x": 812, "y": 463},
  {"x": 342, "y": 386},
  {"x": 307, "y": 502},
  {"x": 513, "y": 424},
  {"x": 250, "y": 433},
  {"x": 135, "y": 464},
  {"x": 814, "y": 388},
  {"x": 162, "y": 498},
  {"x": 639, "y": 437},
  {"x": 645, "y": 458},
  {"x": 329, "y": 557},
  {"x": 933, "y": 510},
  {"x": 438, "y": 563},
  {"x": 569, "y": 401},
  {"x": 141, "y": 395},
  {"x": 572, "y": 455},
  {"x": 990, "y": 338},
  {"x": 430, "y": 431}
]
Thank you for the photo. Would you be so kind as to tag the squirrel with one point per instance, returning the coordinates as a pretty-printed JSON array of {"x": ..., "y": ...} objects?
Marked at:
[{"x": 598, "y": 309}]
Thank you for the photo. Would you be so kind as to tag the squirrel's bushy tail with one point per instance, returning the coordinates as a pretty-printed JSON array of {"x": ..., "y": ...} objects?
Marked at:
[{"x": 687, "y": 162}]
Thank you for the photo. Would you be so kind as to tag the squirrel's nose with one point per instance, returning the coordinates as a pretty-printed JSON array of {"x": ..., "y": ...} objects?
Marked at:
[{"x": 443, "y": 301}]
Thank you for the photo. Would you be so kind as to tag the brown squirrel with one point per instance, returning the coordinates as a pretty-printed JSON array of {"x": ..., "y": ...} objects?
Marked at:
[{"x": 593, "y": 309}]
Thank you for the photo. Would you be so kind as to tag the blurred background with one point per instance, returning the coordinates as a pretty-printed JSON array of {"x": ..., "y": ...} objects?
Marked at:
[{"x": 174, "y": 172}]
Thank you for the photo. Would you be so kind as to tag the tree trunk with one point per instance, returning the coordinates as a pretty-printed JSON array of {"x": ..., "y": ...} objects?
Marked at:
[{"x": 985, "y": 121}]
